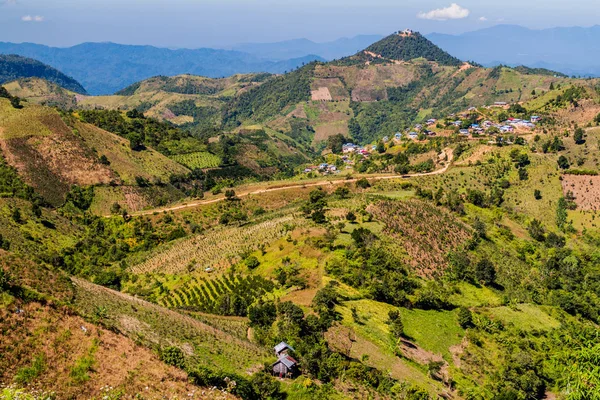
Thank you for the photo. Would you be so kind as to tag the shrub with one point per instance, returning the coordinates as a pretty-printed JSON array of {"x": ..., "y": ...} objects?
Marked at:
[
  {"x": 537, "y": 194},
  {"x": 363, "y": 183},
  {"x": 173, "y": 356},
  {"x": 27, "y": 374},
  {"x": 252, "y": 262},
  {"x": 465, "y": 318},
  {"x": 563, "y": 162}
]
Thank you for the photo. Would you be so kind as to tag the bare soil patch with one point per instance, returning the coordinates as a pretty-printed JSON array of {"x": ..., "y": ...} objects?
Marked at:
[
  {"x": 585, "y": 189},
  {"x": 321, "y": 94}
]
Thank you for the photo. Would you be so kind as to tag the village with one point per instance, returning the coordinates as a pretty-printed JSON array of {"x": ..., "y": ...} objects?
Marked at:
[{"x": 472, "y": 124}]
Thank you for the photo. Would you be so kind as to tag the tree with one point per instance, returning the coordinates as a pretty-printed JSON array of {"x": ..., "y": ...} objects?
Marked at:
[
  {"x": 563, "y": 162},
  {"x": 485, "y": 272},
  {"x": 104, "y": 160},
  {"x": 362, "y": 237},
  {"x": 578, "y": 135},
  {"x": 115, "y": 208},
  {"x": 465, "y": 318},
  {"x": 536, "y": 230},
  {"x": 561, "y": 213},
  {"x": 16, "y": 215},
  {"x": 15, "y": 102},
  {"x": 265, "y": 386},
  {"x": 262, "y": 314},
  {"x": 380, "y": 147},
  {"x": 136, "y": 141},
  {"x": 523, "y": 174},
  {"x": 363, "y": 183},
  {"x": 597, "y": 119},
  {"x": 342, "y": 192},
  {"x": 336, "y": 143},
  {"x": 252, "y": 262},
  {"x": 351, "y": 217},
  {"x": 395, "y": 323},
  {"x": 230, "y": 194},
  {"x": 537, "y": 194},
  {"x": 314, "y": 208}
]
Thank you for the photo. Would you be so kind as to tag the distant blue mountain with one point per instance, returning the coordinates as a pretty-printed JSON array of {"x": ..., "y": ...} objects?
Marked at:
[
  {"x": 301, "y": 47},
  {"x": 104, "y": 68},
  {"x": 573, "y": 51}
]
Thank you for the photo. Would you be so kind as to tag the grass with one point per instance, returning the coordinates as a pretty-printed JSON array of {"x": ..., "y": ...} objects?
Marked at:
[
  {"x": 26, "y": 375},
  {"x": 200, "y": 159},
  {"x": 472, "y": 296},
  {"x": 84, "y": 365},
  {"x": 18, "y": 123},
  {"x": 527, "y": 317},
  {"x": 434, "y": 331},
  {"x": 125, "y": 162}
]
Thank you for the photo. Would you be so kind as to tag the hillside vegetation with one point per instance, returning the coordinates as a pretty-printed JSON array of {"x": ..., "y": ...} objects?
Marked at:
[{"x": 13, "y": 67}]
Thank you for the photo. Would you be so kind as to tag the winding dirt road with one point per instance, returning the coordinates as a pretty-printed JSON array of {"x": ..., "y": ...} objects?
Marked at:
[{"x": 197, "y": 203}]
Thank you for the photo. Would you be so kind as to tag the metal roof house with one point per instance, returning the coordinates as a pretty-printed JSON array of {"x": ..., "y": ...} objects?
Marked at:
[
  {"x": 282, "y": 347},
  {"x": 285, "y": 366}
]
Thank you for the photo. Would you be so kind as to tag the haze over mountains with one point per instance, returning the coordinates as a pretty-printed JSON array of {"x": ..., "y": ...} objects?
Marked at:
[
  {"x": 105, "y": 68},
  {"x": 301, "y": 47},
  {"x": 572, "y": 50}
]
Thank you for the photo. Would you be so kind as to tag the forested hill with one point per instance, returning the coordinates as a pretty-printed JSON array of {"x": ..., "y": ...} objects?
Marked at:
[
  {"x": 14, "y": 67},
  {"x": 406, "y": 47},
  {"x": 105, "y": 68}
]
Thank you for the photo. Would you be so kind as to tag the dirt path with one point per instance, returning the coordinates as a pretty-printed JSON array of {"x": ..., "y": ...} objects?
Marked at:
[{"x": 448, "y": 152}]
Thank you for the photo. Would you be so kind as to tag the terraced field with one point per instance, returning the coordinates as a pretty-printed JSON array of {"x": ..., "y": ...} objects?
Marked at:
[
  {"x": 200, "y": 159},
  {"x": 217, "y": 249}
]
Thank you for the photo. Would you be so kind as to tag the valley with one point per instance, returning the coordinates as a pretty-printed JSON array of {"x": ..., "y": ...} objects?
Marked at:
[{"x": 405, "y": 224}]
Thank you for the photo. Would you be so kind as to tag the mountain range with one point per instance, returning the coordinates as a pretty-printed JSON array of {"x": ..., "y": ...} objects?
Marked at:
[
  {"x": 296, "y": 48},
  {"x": 571, "y": 50},
  {"x": 104, "y": 68}
]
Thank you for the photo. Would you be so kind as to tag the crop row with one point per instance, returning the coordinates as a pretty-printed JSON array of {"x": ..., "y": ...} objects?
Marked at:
[
  {"x": 216, "y": 248},
  {"x": 227, "y": 295}
]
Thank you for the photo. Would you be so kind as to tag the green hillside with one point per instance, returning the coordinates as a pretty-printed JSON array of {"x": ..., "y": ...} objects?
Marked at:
[
  {"x": 13, "y": 67},
  {"x": 406, "y": 47}
]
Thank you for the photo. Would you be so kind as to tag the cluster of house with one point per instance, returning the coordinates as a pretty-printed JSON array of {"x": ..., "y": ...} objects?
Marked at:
[
  {"x": 508, "y": 126},
  {"x": 354, "y": 148},
  {"x": 285, "y": 366},
  {"x": 323, "y": 168}
]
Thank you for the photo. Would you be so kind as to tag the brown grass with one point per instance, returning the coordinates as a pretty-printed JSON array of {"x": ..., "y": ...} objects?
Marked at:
[{"x": 63, "y": 339}]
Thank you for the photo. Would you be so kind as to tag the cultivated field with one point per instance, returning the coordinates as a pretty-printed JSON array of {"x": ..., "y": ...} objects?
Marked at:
[{"x": 217, "y": 249}]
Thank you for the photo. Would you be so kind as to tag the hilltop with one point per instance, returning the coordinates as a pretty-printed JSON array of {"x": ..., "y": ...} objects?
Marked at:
[
  {"x": 408, "y": 45},
  {"x": 13, "y": 67}
]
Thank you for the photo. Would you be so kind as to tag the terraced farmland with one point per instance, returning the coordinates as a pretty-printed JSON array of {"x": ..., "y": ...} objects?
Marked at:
[
  {"x": 199, "y": 159},
  {"x": 216, "y": 249},
  {"x": 226, "y": 295}
]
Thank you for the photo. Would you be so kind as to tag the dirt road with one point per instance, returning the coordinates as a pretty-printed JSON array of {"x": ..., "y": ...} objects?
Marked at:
[{"x": 324, "y": 182}]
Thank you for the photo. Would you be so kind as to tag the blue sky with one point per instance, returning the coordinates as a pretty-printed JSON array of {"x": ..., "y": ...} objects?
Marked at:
[{"x": 219, "y": 23}]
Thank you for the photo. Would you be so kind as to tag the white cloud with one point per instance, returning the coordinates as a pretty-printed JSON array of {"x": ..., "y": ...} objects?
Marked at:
[
  {"x": 482, "y": 19},
  {"x": 30, "y": 18},
  {"x": 454, "y": 11}
]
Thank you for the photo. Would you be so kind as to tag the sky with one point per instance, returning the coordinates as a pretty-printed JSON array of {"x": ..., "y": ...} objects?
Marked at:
[{"x": 223, "y": 23}]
